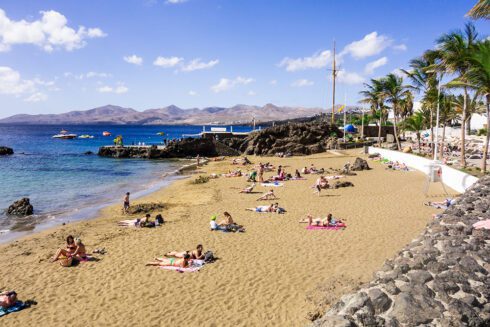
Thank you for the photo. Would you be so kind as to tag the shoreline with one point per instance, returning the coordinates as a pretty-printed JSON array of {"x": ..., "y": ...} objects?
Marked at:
[
  {"x": 92, "y": 211},
  {"x": 228, "y": 288}
]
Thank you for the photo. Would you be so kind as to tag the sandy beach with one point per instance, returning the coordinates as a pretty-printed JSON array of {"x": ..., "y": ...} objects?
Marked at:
[{"x": 271, "y": 275}]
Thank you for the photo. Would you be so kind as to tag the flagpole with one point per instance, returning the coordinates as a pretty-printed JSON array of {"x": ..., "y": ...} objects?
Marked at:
[{"x": 436, "y": 148}]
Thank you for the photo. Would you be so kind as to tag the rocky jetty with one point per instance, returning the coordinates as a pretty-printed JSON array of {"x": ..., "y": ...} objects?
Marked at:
[
  {"x": 189, "y": 147},
  {"x": 440, "y": 279},
  {"x": 145, "y": 207},
  {"x": 294, "y": 139},
  {"x": 22, "y": 207},
  {"x": 6, "y": 151}
]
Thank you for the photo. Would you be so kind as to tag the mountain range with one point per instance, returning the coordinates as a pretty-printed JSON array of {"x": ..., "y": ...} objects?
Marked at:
[{"x": 172, "y": 115}]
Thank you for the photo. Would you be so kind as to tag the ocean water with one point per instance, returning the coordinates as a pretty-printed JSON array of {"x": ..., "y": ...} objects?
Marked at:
[{"x": 65, "y": 184}]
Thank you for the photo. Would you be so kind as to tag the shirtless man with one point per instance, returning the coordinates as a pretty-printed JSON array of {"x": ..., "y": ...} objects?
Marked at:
[
  {"x": 198, "y": 253},
  {"x": 126, "y": 203},
  {"x": 7, "y": 299},
  {"x": 268, "y": 196}
]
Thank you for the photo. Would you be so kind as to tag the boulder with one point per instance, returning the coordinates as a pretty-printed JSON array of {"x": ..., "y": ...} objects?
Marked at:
[
  {"x": 407, "y": 149},
  {"x": 360, "y": 164},
  {"x": 6, "y": 151},
  {"x": 145, "y": 207},
  {"x": 343, "y": 184},
  {"x": 21, "y": 207}
]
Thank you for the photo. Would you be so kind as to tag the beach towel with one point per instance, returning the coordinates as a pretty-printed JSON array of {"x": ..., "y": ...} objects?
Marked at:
[
  {"x": 297, "y": 179},
  {"x": 484, "y": 224},
  {"x": 16, "y": 307},
  {"x": 272, "y": 184},
  {"x": 194, "y": 267},
  {"x": 313, "y": 227},
  {"x": 335, "y": 177}
]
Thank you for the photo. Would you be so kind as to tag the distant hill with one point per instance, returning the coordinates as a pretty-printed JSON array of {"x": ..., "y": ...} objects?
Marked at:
[{"x": 170, "y": 115}]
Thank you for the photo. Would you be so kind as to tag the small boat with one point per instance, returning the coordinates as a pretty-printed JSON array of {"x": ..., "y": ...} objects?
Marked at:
[
  {"x": 161, "y": 133},
  {"x": 64, "y": 135},
  {"x": 106, "y": 133},
  {"x": 86, "y": 136}
]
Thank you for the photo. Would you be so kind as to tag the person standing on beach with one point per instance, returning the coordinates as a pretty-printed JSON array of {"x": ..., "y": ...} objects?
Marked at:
[
  {"x": 198, "y": 160},
  {"x": 126, "y": 203},
  {"x": 261, "y": 172}
]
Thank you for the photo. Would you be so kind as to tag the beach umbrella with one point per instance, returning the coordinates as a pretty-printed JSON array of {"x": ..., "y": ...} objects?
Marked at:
[{"x": 350, "y": 128}]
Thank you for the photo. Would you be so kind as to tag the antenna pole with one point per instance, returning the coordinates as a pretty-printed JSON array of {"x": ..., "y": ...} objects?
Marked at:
[{"x": 334, "y": 75}]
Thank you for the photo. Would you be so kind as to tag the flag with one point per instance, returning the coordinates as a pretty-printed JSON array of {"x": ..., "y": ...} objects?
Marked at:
[{"x": 341, "y": 108}]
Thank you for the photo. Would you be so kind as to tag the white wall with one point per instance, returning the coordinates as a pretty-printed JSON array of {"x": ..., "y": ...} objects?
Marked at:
[{"x": 455, "y": 179}]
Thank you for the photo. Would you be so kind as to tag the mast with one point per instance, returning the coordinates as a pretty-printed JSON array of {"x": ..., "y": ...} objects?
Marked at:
[{"x": 334, "y": 75}]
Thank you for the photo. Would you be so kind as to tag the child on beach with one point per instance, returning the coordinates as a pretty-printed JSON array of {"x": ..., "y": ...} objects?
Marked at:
[{"x": 126, "y": 203}]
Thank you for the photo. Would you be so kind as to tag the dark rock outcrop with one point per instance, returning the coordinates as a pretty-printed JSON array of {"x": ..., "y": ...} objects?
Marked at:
[
  {"x": 6, "y": 151},
  {"x": 442, "y": 278},
  {"x": 22, "y": 207},
  {"x": 294, "y": 139},
  {"x": 342, "y": 184},
  {"x": 360, "y": 164},
  {"x": 145, "y": 207}
]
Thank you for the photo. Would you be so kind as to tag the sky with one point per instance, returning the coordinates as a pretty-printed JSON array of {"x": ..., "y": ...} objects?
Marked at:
[{"x": 58, "y": 56}]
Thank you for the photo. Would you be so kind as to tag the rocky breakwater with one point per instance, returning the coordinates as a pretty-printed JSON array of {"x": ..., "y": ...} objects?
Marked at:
[
  {"x": 440, "y": 279},
  {"x": 295, "y": 139},
  {"x": 189, "y": 147},
  {"x": 6, "y": 151},
  {"x": 22, "y": 207}
]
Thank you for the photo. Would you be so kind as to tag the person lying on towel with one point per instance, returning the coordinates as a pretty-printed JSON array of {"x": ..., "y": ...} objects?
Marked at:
[{"x": 172, "y": 262}]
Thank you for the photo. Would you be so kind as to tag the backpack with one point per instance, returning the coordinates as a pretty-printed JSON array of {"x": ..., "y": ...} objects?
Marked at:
[{"x": 208, "y": 256}]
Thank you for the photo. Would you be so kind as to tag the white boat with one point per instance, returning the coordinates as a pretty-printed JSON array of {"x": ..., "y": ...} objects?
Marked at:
[
  {"x": 86, "y": 136},
  {"x": 64, "y": 135}
]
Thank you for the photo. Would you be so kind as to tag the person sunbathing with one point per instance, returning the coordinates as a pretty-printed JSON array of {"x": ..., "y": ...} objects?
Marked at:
[
  {"x": 311, "y": 221},
  {"x": 70, "y": 248},
  {"x": 198, "y": 253},
  {"x": 229, "y": 224},
  {"x": 183, "y": 262},
  {"x": 80, "y": 253},
  {"x": 8, "y": 299},
  {"x": 262, "y": 208},
  {"x": 129, "y": 223},
  {"x": 441, "y": 205},
  {"x": 269, "y": 195},
  {"x": 236, "y": 173},
  {"x": 248, "y": 189}
]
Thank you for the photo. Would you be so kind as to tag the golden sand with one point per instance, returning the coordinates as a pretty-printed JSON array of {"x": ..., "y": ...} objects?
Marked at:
[{"x": 264, "y": 277}]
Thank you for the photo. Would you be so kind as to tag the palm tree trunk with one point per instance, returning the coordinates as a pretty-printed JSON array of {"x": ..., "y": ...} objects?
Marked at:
[
  {"x": 468, "y": 125},
  {"x": 485, "y": 148},
  {"x": 441, "y": 150},
  {"x": 396, "y": 134},
  {"x": 418, "y": 139},
  {"x": 379, "y": 129},
  {"x": 432, "y": 132},
  {"x": 463, "y": 132}
]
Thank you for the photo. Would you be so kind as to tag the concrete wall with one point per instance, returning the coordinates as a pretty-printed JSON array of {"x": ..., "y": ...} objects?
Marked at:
[{"x": 455, "y": 179}]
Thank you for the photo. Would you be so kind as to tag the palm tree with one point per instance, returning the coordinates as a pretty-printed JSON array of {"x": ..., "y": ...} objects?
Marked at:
[
  {"x": 455, "y": 49},
  {"x": 395, "y": 92},
  {"x": 479, "y": 78},
  {"x": 374, "y": 98},
  {"x": 415, "y": 123},
  {"x": 480, "y": 10},
  {"x": 447, "y": 114}
]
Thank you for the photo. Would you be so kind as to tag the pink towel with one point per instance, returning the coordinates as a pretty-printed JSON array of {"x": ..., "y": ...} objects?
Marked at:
[
  {"x": 313, "y": 227},
  {"x": 482, "y": 224},
  {"x": 179, "y": 269}
]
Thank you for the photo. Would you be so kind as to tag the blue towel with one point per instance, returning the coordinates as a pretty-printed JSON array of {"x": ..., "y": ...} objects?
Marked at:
[{"x": 16, "y": 307}]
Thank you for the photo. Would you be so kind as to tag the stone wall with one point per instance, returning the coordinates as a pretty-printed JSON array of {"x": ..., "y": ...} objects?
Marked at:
[{"x": 440, "y": 279}]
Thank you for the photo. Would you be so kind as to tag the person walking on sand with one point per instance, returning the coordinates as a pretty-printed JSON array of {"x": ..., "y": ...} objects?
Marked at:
[
  {"x": 126, "y": 203},
  {"x": 261, "y": 172}
]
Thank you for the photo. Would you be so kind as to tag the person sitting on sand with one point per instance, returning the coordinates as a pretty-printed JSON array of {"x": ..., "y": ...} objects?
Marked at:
[
  {"x": 229, "y": 224},
  {"x": 214, "y": 225},
  {"x": 80, "y": 253},
  {"x": 183, "y": 262},
  {"x": 8, "y": 299},
  {"x": 248, "y": 189},
  {"x": 297, "y": 174},
  {"x": 313, "y": 169},
  {"x": 70, "y": 248},
  {"x": 305, "y": 170},
  {"x": 252, "y": 177},
  {"x": 198, "y": 253},
  {"x": 321, "y": 183},
  {"x": 145, "y": 222},
  {"x": 269, "y": 195}
]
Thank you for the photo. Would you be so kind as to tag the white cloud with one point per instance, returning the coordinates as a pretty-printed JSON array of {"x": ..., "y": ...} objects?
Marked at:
[
  {"x": 251, "y": 93},
  {"x": 12, "y": 83},
  {"x": 317, "y": 60},
  {"x": 36, "y": 97},
  {"x": 133, "y": 59},
  {"x": 273, "y": 82},
  {"x": 87, "y": 75},
  {"x": 175, "y": 2},
  {"x": 344, "y": 77},
  {"x": 400, "y": 47},
  {"x": 192, "y": 93},
  {"x": 50, "y": 32},
  {"x": 197, "y": 64},
  {"x": 398, "y": 72},
  {"x": 302, "y": 82},
  {"x": 167, "y": 62},
  {"x": 225, "y": 84},
  {"x": 370, "y": 45},
  {"x": 118, "y": 89},
  {"x": 371, "y": 67}
]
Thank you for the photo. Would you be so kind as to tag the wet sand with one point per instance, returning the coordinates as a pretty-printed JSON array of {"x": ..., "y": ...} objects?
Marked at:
[{"x": 271, "y": 275}]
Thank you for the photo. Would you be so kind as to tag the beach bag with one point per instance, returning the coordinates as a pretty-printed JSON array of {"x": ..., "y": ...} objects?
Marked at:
[
  {"x": 66, "y": 262},
  {"x": 159, "y": 219},
  {"x": 208, "y": 256}
]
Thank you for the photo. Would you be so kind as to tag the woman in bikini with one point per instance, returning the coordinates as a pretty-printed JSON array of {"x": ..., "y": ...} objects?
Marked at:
[
  {"x": 198, "y": 253},
  {"x": 80, "y": 253},
  {"x": 172, "y": 262},
  {"x": 71, "y": 247}
]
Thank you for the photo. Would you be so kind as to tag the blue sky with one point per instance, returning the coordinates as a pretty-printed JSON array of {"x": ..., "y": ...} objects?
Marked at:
[{"x": 57, "y": 56}]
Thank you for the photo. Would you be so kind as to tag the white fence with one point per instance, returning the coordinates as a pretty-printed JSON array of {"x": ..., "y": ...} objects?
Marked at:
[{"x": 455, "y": 179}]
